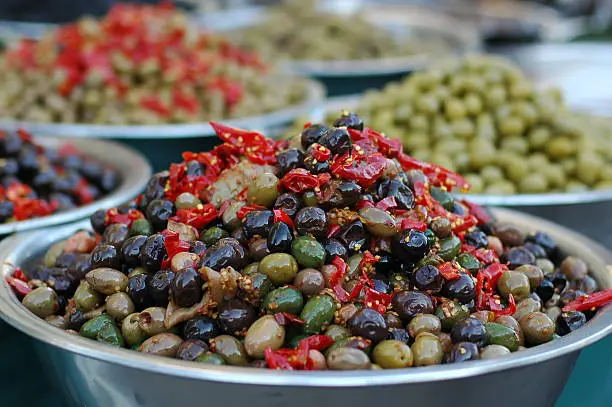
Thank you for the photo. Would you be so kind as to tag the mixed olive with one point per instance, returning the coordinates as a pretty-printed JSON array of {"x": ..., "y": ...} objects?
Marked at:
[
  {"x": 330, "y": 36},
  {"x": 359, "y": 266},
  {"x": 140, "y": 64},
  {"x": 36, "y": 181}
]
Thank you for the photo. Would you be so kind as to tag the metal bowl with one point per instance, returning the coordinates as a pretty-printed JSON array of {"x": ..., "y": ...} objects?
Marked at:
[
  {"x": 340, "y": 76},
  {"x": 97, "y": 375},
  {"x": 133, "y": 168},
  {"x": 163, "y": 144}
]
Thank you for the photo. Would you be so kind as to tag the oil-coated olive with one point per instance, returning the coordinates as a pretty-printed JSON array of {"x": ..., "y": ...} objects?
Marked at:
[
  {"x": 462, "y": 289},
  {"x": 202, "y": 328},
  {"x": 138, "y": 289},
  {"x": 369, "y": 324},
  {"x": 337, "y": 140},
  {"x": 258, "y": 223},
  {"x": 350, "y": 121},
  {"x": 152, "y": 253},
  {"x": 258, "y": 248},
  {"x": 115, "y": 234},
  {"x": 518, "y": 256},
  {"x": 159, "y": 286},
  {"x": 191, "y": 349},
  {"x": 289, "y": 160},
  {"x": 105, "y": 255},
  {"x": 428, "y": 278},
  {"x": 186, "y": 287},
  {"x": 227, "y": 252},
  {"x": 570, "y": 321},
  {"x": 462, "y": 352},
  {"x": 408, "y": 304},
  {"x": 469, "y": 330},
  {"x": 312, "y": 134},
  {"x": 235, "y": 317},
  {"x": 158, "y": 213},
  {"x": 311, "y": 221},
  {"x": 280, "y": 238},
  {"x": 477, "y": 238},
  {"x": 333, "y": 248},
  {"x": 289, "y": 203},
  {"x": 410, "y": 245},
  {"x": 131, "y": 248}
]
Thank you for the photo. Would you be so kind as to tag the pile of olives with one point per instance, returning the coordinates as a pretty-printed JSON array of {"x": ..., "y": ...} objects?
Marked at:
[
  {"x": 482, "y": 117},
  {"x": 251, "y": 282}
]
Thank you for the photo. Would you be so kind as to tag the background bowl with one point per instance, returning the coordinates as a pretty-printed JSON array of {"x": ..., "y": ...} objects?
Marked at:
[
  {"x": 355, "y": 76},
  {"x": 132, "y": 167},
  {"x": 163, "y": 144},
  {"x": 96, "y": 375}
]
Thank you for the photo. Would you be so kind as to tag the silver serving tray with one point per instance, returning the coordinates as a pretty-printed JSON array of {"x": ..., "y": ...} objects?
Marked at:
[
  {"x": 315, "y": 94},
  {"x": 133, "y": 169},
  {"x": 401, "y": 20},
  {"x": 97, "y": 375}
]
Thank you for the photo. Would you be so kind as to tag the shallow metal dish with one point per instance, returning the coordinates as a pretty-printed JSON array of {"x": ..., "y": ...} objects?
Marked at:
[
  {"x": 401, "y": 20},
  {"x": 133, "y": 168},
  {"x": 315, "y": 93},
  {"x": 96, "y": 375}
]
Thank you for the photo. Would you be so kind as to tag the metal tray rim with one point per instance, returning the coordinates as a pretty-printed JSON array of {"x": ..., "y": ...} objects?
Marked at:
[{"x": 13, "y": 312}]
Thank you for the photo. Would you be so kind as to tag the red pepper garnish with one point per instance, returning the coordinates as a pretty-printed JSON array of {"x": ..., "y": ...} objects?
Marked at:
[
  {"x": 364, "y": 203},
  {"x": 299, "y": 180},
  {"x": 154, "y": 104},
  {"x": 376, "y": 300},
  {"x": 449, "y": 270},
  {"x": 281, "y": 216},
  {"x": 242, "y": 212},
  {"x": 174, "y": 244},
  {"x": 363, "y": 170},
  {"x": 319, "y": 152},
  {"x": 276, "y": 361},
  {"x": 318, "y": 342},
  {"x": 386, "y": 203},
  {"x": 406, "y": 224},
  {"x": 510, "y": 309},
  {"x": 437, "y": 175},
  {"x": 197, "y": 217},
  {"x": 478, "y": 212},
  {"x": 255, "y": 146},
  {"x": 20, "y": 275},
  {"x": 332, "y": 229},
  {"x": 590, "y": 301},
  {"x": 20, "y": 287},
  {"x": 285, "y": 318},
  {"x": 486, "y": 283},
  {"x": 114, "y": 216},
  {"x": 338, "y": 277}
]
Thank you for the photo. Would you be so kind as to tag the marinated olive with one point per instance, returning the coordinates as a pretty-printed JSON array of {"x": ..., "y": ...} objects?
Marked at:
[
  {"x": 280, "y": 238},
  {"x": 202, "y": 328},
  {"x": 408, "y": 304},
  {"x": 368, "y": 324},
  {"x": 186, "y": 287},
  {"x": 235, "y": 317}
]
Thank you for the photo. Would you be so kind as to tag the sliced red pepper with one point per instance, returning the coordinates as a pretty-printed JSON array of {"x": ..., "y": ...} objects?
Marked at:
[
  {"x": 438, "y": 176},
  {"x": 590, "y": 301},
  {"x": 363, "y": 170},
  {"x": 242, "y": 212},
  {"x": 276, "y": 361},
  {"x": 285, "y": 318},
  {"x": 20, "y": 287},
  {"x": 338, "y": 277},
  {"x": 281, "y": 216},
  {"x": 318, "y": 342},
  {"x": 449, "y": 271},
  {"x": 386, "y": 203},
  {"x": 197, "y": 217},
  {"x": 174, "y": 244},
  {"x": 478, "y": 211},
  {"x": 255, "y": 146},
  {"x": 20, "y": 275},
  {"x": 367, "y": 260},
  {"x": 510, "y": 309},
  {"x": 332, "y": 229},
  {"x": 376, "y": 300},
  {"x": 406, "y": 224},
  {"x": 114, "y": 216},
  {"x": 299, "y": 180},
  {"x": 319, "y": 152}
]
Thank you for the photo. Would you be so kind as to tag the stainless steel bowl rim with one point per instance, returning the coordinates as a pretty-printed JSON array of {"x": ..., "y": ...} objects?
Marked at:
[
  {"x": 465, "y": 38},
  {"x": 133, "y": 168},
  {"x": 315, "y": 95},
  {"x": 552, "y": 199},
  {"x": 13, "y": 312}
]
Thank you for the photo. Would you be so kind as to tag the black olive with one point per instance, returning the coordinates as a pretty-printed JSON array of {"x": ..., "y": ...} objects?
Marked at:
[
  {"x": 340, "y": 194},
  {"x": 159, "y": 287},
  {"x": 240, "y": 236},
  {"x": 227, "y": 252},
  {"x": 158, "y": 213},
  {"x": 289, "y": 159},
  {"x": 152, "y": 253},
  {"x": 131, "y": 248},
  {"x": 545, "y": 290},
  {"x": 469, "y": 330},
  {"x": 570, "y": 321},
  {"x": 43, "y": 181},
  {"x": 312, "y": 134},
  {"x": 80, "y": 266},
  {"x": 568, "y": 296},
  {"x": 66, "y": 183},
  {"x": 116, "y": 234},
  {"x": 9, "y": 166},
  {"x": 393, "y": 320},
  {"x": 311, "y": 221},
  {"x": 61, "y": 283},
  {"x": 66, "y": 260},
  {"x": 352, "y": 235},
  {"x": 397, "y": 189},
  {"x": 558, "y": 280},
  {"x": 280, "y": 238},
  {"x": 381, "y": 284},
  {"x": 155, "y": 187},
  {"x": 334, "y": 248},
  {"x": 537, "y": 250},
  {"x": 198, "y": 248},
  {"x": 428, "y": 278},
  {"x": 337, "y": 140},
  {"x": 186, "y": 287},
  {"x": 409, "y": 303},
  {"x": 109, "y": 181},
  {"x": 459, "y": 208},
  {"x": 350, "y": 121},
  {"x": 477, "y": 238},
  {"x": 546, "y": 242},
  {"x": 191, "y": 349},
  {"x": 126, "y": 207},
  {"x": 410, "y": 245},
  {"x": 63, "y": 201},
  {"x": 258, "y": 223},
  {"x": 258, "y": 248},
  {"x": 399, "y": 334},
  {"x": 76, "y": 319},
  {"x": 315, "y": 166},
  {"x": 587, "y": 284},
  {"x": 202, "y": 328},
  {"x": 7, "y": 209},
  {"x": 368, "y": 324},
  {"x": 462, "y": 352},
  {"x": 518, "y": 256},
  {"x": 28, "y": 163},
  {"x": 138, "y": 289},
  {"x": 105, "y": 255},
  {"x": 289, "y": 203},
  {"x": 98, "y": 221},
  {"x": 462, "y": 289},
  {"x": 386, "y": 263},
  {"x": 194, "y": 168},
  {"x": 235, "y": 317}
]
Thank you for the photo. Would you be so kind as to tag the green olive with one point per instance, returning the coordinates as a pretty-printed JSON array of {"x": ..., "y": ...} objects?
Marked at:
[
  {"x": 211, "y": 359},
  {"x": 347, "y": 359},
  {"x": 264, "y": 333},
  {"x": 131, "y": 331},
  {"x": 392, "y": 354},
  {"x": 537, "y": 327},
  {"x": 493, "y": 351},
  {"x": 151, "y": 320},
  {"x": 451, "y": 312},
  {"x": 318, "y": 313},
  {"x": 533, "y": 273},
  {"x": 526, "y": 306},
  {"x": 141, "y": 227},
  {"x": 337, "y": 332},
  {"x": 86, "y": 299},
  {"x": 119, "y": 305},
  {"x": 378, "y": 222},
  {"x": 53, "y": 253},
  {"x": 515, "y": 283},
  {"x": 281, "y": 268},
  {"x": 163, "y": 344},
  {"x": 264, "y": 189},
  {"x": 42, "y": 302},
  {"x": 213, "y": 235},
  {"x": 284, "y": 299},
  {"x": 106, "y": 280},
  {"x": 424, "y": 323},
  {"x": 230, "y": 349},
  {"x": 187, "y": 200},
  {"x": 427, "y": 350},
  {"x": 308, "y": 252}
]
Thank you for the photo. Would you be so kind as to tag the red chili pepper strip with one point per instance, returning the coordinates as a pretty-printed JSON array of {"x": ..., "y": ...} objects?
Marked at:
[
  {"x": 319, "y": 152},
  {"x": 449, "y": 271},
  {"x": 114, "y": 216},
  {"x": 338, "y": 277},
  {"x": 486, "y": 282},
  {"x": 376, "y": 300},
  {"x": 281, "y": 216},
  {"x": 20, "y": 275},
  {"x": 299, "y": 180},
  {"x": 197, "y": 217},
  {"x": 174, "y": 244},
  {"x": 590, "y": 301},
  {"x": 318, "y": 342},
  {"x": 386, "y": 203},
  {"x": 285, "y": 318},
  {"x": 332, "y": 229},
  {"x": 363, "y": 170},
  {"x": 242, "y": 212},
  {"x": 478, "y": 211},
  {"x": 276, "y": 361},
  {"x": 19, "y": 286},
  {"x": 509, "y": 310},
  {"x": 413, "y": 224}
]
